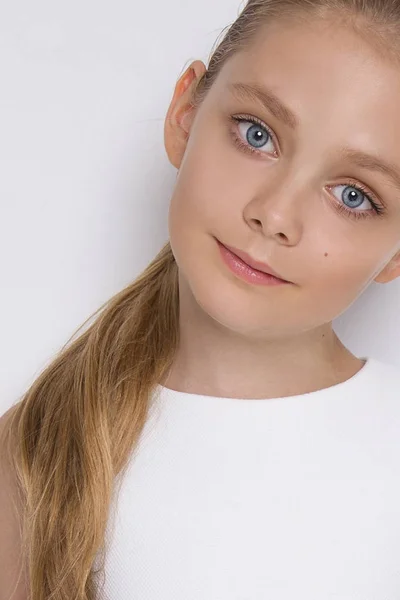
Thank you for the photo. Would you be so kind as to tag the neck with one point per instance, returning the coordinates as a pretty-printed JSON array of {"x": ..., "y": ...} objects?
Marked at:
[{"x": 212, "y": 360}]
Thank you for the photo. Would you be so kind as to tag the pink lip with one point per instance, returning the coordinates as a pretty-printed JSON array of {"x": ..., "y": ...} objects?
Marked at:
[{"x": 255, "y": 264}]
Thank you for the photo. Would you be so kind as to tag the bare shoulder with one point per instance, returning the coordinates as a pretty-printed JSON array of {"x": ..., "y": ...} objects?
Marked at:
[{"x": 12, "y": 580}]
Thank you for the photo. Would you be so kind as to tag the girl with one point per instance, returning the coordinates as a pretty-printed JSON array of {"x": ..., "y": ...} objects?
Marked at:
[{"x": 208, "y": 436}]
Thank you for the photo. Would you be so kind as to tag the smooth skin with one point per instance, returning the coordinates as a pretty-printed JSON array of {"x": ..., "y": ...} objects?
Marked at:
[
  {"x": 244, "y": 341},
  {"x": 281, "y": 206}
]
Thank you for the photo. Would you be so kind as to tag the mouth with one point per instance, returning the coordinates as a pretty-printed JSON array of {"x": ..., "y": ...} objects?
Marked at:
[{"x": 257, "y": 265}]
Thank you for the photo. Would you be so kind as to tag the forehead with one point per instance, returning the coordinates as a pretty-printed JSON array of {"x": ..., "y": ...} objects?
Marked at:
[
  {"x": 320, "y": 44},
  {"x": 318, "y": 67},
  {"x": 339, "y": 94},
  {"x": 317, "y": 24}
]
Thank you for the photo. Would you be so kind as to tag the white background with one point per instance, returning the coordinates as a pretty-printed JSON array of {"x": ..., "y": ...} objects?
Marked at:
[{"x": 85, "y": 180}]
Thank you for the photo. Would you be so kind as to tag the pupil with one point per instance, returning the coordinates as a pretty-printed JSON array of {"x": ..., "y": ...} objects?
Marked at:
[
  {"x": 257, "y": 133},
  {"x": 355, "y": 196}
]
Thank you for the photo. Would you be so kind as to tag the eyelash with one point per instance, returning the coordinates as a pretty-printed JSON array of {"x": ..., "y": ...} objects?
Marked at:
[{"x": 377, "y": 208}]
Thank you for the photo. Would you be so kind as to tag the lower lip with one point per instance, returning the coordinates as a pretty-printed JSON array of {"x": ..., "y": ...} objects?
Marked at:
[{"x": 244, "y": 271}]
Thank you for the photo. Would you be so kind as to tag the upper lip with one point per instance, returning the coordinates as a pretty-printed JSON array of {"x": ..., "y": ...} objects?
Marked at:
[{"x": 256, "y": 264}]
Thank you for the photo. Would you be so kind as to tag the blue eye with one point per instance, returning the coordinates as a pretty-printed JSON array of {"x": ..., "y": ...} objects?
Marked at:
[
  {"x": 259, "y": 136},
  {"x": 256, "y": 136},
  {"x": 353, "y": 196}
]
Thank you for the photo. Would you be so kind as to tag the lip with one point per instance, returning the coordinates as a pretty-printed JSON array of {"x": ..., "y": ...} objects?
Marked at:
[{"x": 255, "y": 264}]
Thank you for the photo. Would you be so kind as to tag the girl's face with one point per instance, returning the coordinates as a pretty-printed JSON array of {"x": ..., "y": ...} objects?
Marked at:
[{"x": 289, "y": 195}]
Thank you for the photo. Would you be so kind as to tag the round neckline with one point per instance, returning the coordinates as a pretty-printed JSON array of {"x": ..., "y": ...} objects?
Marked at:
[{"x": 369, "y": 364}]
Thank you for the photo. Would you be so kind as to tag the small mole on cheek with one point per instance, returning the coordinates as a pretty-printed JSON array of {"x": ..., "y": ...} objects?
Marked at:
[{"x": 326, "y": 254}]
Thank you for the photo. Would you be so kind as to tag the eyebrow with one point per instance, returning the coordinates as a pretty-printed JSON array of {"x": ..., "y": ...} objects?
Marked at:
[{"x": 267, "y": 98}]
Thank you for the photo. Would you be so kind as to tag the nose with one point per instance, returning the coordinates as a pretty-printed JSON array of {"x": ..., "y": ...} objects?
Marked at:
[{"x": 277, "y": 213}]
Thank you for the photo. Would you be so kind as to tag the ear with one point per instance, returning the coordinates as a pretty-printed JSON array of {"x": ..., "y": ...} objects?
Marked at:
[
  {"x": 391, "y": 271},
  {"x": 181, "y": 113}
]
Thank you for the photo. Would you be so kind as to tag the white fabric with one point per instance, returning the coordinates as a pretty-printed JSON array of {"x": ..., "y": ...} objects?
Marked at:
[{"x": 294, "y": 498}]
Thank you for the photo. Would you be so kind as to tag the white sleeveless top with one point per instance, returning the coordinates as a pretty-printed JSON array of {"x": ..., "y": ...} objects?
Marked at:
[{"x": 294, "y": 498}]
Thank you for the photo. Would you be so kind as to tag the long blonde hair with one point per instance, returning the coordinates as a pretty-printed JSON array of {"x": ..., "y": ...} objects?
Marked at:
[{"x": 76, "y": 428}]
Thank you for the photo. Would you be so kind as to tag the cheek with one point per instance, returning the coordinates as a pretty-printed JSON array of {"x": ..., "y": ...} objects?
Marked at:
[
  {"x": 337, "y": 282},
  {"x": 214, "y": 180},
  {"x": 206, "y": 192}
]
